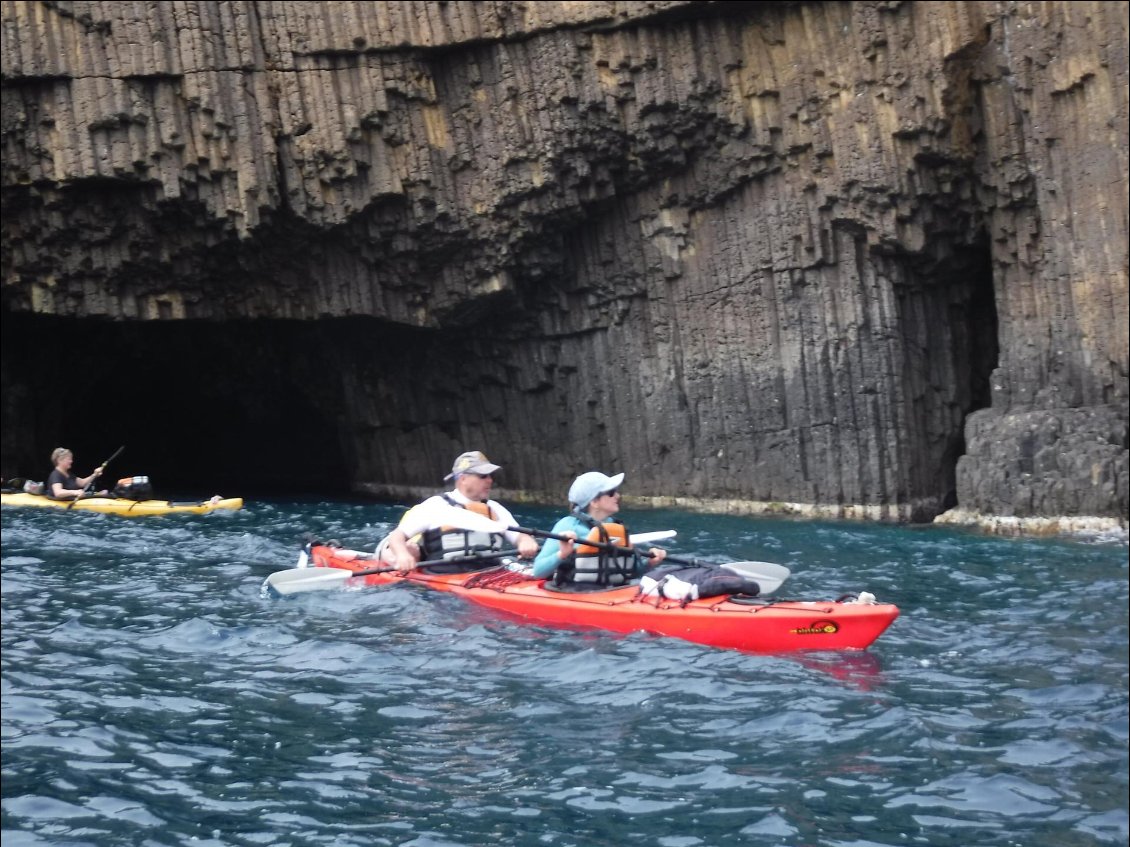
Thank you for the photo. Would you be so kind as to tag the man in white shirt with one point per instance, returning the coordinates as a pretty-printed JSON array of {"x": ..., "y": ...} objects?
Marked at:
[{"x": 425, "y": 532}]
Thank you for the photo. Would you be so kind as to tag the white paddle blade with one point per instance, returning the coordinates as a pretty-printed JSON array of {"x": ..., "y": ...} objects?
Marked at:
[
  {"x": 297, "y": 580},
  {"x": 645, "y": 537},
  {"x": 766, "y": 574}
]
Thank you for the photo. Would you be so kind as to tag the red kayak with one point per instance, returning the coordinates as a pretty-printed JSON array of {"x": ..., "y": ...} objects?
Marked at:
[{"x": 753, "y": 624}]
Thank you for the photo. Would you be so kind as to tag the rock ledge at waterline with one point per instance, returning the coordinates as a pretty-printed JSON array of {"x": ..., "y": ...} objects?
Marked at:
[{"x": 1113, "y": 528}]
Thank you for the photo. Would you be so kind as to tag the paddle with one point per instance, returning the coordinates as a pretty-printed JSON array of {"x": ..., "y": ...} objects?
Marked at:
[
  {"x": 94, "y": 477},
  {"x": 768, "y": 575},
  {"x": 297, "y": 580}
]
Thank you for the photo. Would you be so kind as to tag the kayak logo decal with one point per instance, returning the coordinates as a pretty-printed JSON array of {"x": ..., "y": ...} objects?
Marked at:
[{"x": 817, "y": 628}]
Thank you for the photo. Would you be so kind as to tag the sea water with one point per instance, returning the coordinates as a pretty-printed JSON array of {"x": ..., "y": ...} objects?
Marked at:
[{"x": 154, "y": 695}]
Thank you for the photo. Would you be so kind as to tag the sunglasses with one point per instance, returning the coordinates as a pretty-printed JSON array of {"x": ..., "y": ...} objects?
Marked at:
[
  {"x": 483, "y": 475},
  {"x": 615, "y": 492}
]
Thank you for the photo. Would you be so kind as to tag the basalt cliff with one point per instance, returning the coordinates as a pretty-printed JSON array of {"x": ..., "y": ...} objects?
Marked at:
[{"x": 840, "y": 258}]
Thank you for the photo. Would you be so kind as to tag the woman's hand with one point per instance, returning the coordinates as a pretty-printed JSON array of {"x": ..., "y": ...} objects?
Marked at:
[{"x": 567, "y": 545}]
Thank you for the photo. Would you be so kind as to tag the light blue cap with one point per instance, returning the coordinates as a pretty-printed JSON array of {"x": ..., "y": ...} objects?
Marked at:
[{"x": 588, "y": 486}]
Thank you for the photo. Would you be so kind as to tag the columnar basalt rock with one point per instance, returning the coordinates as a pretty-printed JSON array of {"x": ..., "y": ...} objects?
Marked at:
[{"x": 861, "y": 257}]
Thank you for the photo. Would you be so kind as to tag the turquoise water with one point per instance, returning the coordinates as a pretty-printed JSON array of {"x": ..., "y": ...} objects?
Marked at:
[{"x": 152, "y": 695}]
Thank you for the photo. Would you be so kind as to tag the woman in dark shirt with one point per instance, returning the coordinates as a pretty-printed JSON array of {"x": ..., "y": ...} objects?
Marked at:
[{"x": 64, "y": 485}]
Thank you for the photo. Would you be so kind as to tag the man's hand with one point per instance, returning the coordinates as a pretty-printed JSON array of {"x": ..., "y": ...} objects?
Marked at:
[
  {"x": 401, "y": 553},
  {"x": 527, "y": 547}
]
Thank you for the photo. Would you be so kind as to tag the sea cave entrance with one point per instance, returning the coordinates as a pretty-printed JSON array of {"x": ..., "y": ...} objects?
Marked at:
[{"x": 202, "y": 408}]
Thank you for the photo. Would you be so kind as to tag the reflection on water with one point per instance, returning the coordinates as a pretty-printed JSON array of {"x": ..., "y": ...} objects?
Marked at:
[
  {"x": 861, "y": 670},
  {"x": 151, "y": 695}
]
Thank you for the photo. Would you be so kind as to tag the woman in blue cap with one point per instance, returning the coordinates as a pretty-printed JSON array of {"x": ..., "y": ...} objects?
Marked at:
[{"x": 595, "y": 498}]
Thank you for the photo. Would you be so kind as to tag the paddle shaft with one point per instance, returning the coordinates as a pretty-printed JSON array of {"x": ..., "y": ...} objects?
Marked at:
[
  {"x": 90, "y": 485},
  {"x": 478, "y": 523},
  {"x": 601, "y": 545},
  {"x": 458, "y": 560}
]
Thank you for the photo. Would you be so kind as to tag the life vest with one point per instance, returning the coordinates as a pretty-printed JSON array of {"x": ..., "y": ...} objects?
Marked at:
[
  {"x": 600, "y": 566},
  {"x": 449, "y": 542}
]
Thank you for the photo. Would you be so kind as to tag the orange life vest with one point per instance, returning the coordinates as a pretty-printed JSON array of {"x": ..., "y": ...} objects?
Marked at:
[{"x": 602, "y": 566}]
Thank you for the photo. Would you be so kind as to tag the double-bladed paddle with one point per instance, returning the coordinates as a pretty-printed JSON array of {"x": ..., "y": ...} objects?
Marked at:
[
  {"x": 94, "y": 477},
  {"x": 768, "y": 575}
]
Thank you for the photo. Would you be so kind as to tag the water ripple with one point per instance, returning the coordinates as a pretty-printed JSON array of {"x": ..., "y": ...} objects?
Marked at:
[{"x": 152, "y": 695}]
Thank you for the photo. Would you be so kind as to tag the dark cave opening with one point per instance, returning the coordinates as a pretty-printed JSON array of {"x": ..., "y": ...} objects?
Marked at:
[
  {"x": 202, "y": 408},
  {"x": 984, "y": 334},
  {"x": 974, "y": 349}
]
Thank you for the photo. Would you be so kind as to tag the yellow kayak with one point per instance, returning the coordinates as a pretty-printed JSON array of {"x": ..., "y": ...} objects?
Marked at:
[{"x": 126, "y": 508}]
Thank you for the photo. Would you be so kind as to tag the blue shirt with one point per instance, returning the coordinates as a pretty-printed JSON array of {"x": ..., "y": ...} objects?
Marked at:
[{"x": 546, "y": 562}]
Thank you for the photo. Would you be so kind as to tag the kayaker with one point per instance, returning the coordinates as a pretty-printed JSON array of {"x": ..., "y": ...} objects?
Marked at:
[
  {"x": 423, "y": 535},
  {"x": 595, "y": 498},
  {"x": 64, "y": 485}
]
